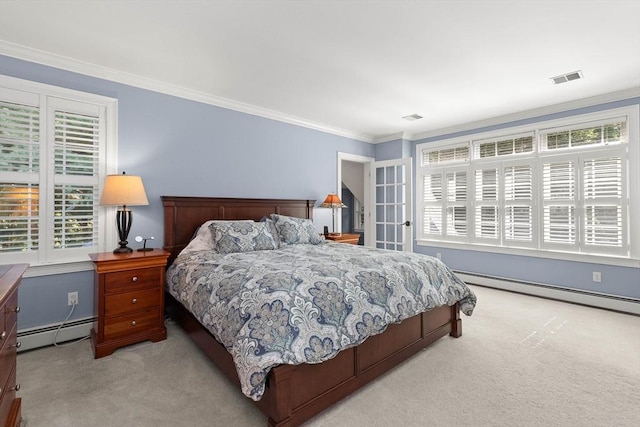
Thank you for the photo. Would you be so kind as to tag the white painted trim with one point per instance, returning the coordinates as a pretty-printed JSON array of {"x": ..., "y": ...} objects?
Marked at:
[
  {"x": 530, "y": 114},
  {"x": 59, "y": 268},
  {"x": 108, "y": 110},
  {"x": 356, "y": 158},
  {"x": 609, "y": 302},
  {"x": 391, "y": 137},
  {"x": 93, "y": 70},
  {"x": 43, "y": 336}
]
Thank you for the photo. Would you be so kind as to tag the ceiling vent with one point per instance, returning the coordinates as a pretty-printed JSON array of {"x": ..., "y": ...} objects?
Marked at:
[
  {"x": 412, "y": 117},
  {"x": 567, "y": 77}
]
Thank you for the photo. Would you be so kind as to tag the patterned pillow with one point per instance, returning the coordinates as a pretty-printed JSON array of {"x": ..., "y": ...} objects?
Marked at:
[
  {"x": 294, "y": 231},
  {"x": 272, "y": 227},
  {"x": 203, "y": 239},
  {"x": 242, "y": 236}
]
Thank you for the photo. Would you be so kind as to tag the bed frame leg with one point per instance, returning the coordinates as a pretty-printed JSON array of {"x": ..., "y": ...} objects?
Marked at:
[{"x": 456, "y": 321}]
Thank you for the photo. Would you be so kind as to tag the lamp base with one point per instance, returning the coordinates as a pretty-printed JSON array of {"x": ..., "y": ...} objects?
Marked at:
[
  {"x": 144, "y": 249},
  {"x": 123, "y": 220}
]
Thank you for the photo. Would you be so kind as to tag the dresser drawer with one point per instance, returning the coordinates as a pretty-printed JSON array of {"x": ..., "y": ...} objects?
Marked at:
[
  {"x": 131, "y": 323},
  {"x": 132, "y": 279},
  {"x": 7, "y": 357},
  {"x": 128, "y": 302},
  {"x": 8, "y": 394},
  {"x": 10, "y": 313}
]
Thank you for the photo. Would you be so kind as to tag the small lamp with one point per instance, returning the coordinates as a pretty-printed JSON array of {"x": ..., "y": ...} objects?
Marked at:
[
  {"x": 123, "y": 190},
  {"x": 333, "y": 201}
]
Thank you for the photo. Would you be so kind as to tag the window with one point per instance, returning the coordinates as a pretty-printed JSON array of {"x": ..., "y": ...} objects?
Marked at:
[
  {"x": 54, "y": 144},
  {"x": 563, "y": 187}
]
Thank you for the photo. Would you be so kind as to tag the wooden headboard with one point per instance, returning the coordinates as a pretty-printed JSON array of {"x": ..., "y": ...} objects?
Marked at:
[{"x": 183, "y": 215}]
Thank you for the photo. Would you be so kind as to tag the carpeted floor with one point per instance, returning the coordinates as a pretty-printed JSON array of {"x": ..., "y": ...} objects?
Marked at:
[{"x": 521, "y": 361}]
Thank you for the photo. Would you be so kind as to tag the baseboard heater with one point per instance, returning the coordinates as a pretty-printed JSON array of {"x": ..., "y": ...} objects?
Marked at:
[
  {"x": 593, "y": 299},
  {"x": 43, "y": 336}
]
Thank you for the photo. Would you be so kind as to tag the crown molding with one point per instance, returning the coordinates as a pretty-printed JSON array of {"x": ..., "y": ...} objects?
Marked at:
[
  {"x": 391, "y": 137},
  {"x": 97, "y": 71},
  {"x": 530, "y": 114},
  {"x": 69, "y": 64}
]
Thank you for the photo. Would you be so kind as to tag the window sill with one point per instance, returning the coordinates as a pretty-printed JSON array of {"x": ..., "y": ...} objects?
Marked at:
[
  {"x": 594, "y": 259},
  {"x": 59, "y": 268}
]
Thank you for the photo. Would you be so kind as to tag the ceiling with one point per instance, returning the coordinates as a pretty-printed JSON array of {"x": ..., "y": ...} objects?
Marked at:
[{"x": 353, "y": 68}]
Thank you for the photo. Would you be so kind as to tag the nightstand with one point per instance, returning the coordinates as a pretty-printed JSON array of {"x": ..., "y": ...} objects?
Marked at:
[
  {"x": 344, "y": 238},
  {"x": 129, "y": 299}
]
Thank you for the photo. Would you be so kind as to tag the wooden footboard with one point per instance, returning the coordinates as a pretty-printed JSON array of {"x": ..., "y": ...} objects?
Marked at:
[{"x": 296, "y": 393}]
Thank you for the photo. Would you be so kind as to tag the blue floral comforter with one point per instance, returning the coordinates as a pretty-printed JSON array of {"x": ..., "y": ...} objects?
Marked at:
[{"x": 305, "y": 303}]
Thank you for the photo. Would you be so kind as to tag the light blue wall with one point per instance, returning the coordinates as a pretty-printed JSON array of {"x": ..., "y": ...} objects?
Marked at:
[
  {"x": 619, "y": 281},
  {"x": 182, "y": 147},
  {"x": 391, "y": 150}
]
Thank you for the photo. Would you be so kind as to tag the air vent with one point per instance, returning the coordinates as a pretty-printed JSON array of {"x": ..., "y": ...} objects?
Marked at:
[
  {"x": 412, "y": 117},
  {"x": 567, "y": 77}
]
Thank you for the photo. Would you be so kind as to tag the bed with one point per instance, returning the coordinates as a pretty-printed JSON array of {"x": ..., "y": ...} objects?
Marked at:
[{"x": 290, "y": 394}]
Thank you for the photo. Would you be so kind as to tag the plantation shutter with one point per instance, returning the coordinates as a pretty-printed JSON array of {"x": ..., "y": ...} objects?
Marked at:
[
  {"x": 76, "y": 146},
  {"x": 19, "y": 172},
  {"x": 456, "y": 203},
  {"x": 518, "y": 204},
  {"x": 603, "y": 195},
  {"x": 54, "y": 154},
  {"x": 559, "y": 203},
  {"x": 432, "y": 204},
  {"x": 487, "y": 222}
]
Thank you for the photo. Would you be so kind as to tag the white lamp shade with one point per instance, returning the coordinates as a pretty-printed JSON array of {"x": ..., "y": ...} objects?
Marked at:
[{"x": 123, "y": 190}]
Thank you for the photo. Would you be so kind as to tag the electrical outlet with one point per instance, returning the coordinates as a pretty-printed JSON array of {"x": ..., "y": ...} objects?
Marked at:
[
  {"x": 438, "y": 255},
  {"x": 72, "y": 298},
  {"x": 597, "y": 277}
]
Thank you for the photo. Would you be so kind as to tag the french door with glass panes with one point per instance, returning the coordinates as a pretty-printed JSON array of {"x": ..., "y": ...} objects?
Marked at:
[{"x": 391, "y": 193}]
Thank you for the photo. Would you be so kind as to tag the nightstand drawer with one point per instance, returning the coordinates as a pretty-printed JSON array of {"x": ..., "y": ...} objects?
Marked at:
[
  {"x": 132, "y": 279},
  {"x": 128, "y": 302},
  {"x": 131, "y": 323}
]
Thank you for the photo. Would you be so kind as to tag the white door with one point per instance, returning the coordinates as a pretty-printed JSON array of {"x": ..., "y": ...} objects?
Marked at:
[{"x": 391, "y": 215}]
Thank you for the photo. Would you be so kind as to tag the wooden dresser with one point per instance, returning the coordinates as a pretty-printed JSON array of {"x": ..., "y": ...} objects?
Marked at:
[
  {"x": 10, "y": 405},
  {"x": 129, "y": 299},
  {"x": 344, "y": 238}
]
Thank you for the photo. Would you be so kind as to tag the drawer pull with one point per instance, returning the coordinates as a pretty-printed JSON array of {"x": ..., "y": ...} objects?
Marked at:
[
  {"x": 133, "y": 323},
  {"x": 134, "y": 301},
  {"x": 18, "y": 344},
  {"x": 16, "y": 388},
  {"x": 3, "y": 335},
  {"x": 17, "y": 309},
  {"x": 134, "y": 279}
]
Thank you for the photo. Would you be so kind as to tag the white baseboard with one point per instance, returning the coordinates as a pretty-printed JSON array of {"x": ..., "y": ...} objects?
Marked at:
[
  {"x": 43, "y": 336},
  {"x": 609, "y": 302}
]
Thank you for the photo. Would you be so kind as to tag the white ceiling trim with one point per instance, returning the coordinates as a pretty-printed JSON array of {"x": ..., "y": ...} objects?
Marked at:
[
  {"x": 93, "y": 70},
  {"x": 58, "y": 61},
  {"x": 529, "y": 114}
]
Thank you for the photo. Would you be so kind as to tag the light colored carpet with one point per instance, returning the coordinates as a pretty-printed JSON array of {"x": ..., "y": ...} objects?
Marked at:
[{"x": 521, "y": 361}]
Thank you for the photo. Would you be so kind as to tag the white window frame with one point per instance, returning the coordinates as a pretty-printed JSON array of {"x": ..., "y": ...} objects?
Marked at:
[
  {"x": 44, "y": 261},
  {"x": 631, "y": 189}
]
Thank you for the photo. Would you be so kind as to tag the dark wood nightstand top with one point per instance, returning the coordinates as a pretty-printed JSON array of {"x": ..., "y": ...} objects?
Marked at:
[{"x": 105, "y": 261}]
